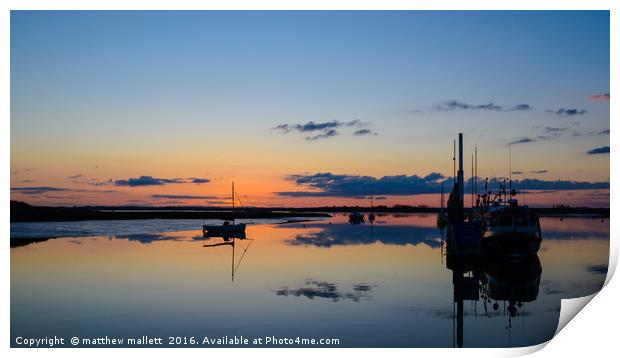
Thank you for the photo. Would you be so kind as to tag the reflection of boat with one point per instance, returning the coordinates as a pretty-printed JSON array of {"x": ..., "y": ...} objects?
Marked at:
[
  {"x": 515, "y": 282},
  {"x": 356, "y": 218},
  {"x": 371, "y": 216},
  {"x": 228, "y": 228},
  {"x": 511, "y": 229},
  {"x": 493, "y": 280},
  {"x": 225, "y": 235}
]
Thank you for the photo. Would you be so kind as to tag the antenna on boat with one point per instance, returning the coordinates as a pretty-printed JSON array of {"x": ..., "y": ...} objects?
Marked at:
[
  {"x": 476, "y": 170},
  {"x": 454, "y": 160},
  {"x": 460, "y": 173},
  {"x": 510, "y": 167},
  {"x": 472, "y": 180}
]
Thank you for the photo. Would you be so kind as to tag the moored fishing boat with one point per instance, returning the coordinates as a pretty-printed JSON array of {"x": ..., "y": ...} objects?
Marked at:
[{"x": 511, "y": 229}]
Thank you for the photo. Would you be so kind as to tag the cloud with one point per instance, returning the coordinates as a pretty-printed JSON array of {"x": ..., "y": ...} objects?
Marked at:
[
  {"x": 362, "y": 132},
  {"x": 599, "y": 97},
  {"x": 554, "y": 130},
  {"x": 80, "y": 179},
  {"x": 328, "y": 134},
  {"x": 148, "y": 238},
  {"x": 352, "y": 186},
  {"x": 355, "y": 185},
  {"x": 455, "y": 105},
  {"x": 522, "y": 140},
  {"x": 414, "y": 111},
  {"x": 323, "y": 129},
  {"x": 606, "y": 131},
  {"x": 541, "y": 171},
  {"x": 356, "y": 123},
  {"x": 601, "y": 150},
  {"x": 521, "y": 107},
  {"x": 34, "y": 190},
  {"x": 190, "y": 197},
  {"x": 597, "y": 269},
  {"x": 315, "y": 127},
  {"x": 146, "y": 180},
  {"x": 452, "y": 105},
  {"x": 569, "y": 112},
  {"x": 517, "y": 172},
  {"x": 539, "y": 184}
]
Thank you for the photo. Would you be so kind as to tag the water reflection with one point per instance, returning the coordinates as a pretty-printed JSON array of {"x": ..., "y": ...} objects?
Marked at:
[
  {"x": 148, "y": 238},
  {"x": 381, "y": 285},
  {"x": 321, "y": 289},
  {"x": 493, "y": 280},
  {"x": 230, "y": 241},
  {"x": 328, "y": 235}
]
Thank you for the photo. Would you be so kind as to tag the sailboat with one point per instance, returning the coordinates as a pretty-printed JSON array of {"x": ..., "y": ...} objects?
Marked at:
[
  {"x": 371, "y": 216},
  {"x": 227, "y": 229}
]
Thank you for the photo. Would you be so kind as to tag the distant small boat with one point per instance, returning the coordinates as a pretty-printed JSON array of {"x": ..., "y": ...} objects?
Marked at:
[{"x": 227, "y": 229}]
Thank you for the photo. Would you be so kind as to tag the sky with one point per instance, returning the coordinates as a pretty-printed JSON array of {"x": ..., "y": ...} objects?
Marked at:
[{"x": 305, "y": 108}]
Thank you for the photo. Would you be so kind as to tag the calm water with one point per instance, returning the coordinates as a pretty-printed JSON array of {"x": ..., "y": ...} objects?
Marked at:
[{"x": 376, "y": 286}]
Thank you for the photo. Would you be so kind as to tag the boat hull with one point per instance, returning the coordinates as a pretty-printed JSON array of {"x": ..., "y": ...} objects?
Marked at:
[
  {"x": 228, "y": 230},
  {"x": 511, "y": 243}
]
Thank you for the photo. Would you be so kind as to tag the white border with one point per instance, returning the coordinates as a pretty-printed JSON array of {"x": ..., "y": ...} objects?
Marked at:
[{"x": 593, "y": 330}]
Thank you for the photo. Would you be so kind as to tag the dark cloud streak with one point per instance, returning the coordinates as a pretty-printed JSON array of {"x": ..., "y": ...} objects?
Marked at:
[{"x": 600, "y": 150}]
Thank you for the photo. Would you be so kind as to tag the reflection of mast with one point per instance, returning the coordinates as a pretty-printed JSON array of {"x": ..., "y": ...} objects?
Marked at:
[
  {"x": 227, "y": 241},
  {"x": 371, "y": 216}
]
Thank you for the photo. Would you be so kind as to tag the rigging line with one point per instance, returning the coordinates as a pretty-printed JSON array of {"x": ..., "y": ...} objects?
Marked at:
[
  {"x": 242, "y": 206},
  {"x": 242, "y": 255}
]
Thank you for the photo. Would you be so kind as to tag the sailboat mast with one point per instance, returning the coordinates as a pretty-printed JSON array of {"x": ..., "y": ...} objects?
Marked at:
[{"x": 233, "y": 200}]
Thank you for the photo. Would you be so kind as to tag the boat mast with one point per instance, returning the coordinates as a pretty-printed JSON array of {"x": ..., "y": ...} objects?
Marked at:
[
  {"x": 460, "y": 173},
  {"x": 454, "y": 161},
  {"x": 233, "y": 200},
  {"x": 472, "y": 180},
  {"x": 476, "y": 170}
]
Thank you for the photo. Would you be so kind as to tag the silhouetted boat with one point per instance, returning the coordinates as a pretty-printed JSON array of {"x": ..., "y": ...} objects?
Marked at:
[
  {"x": 227, "y": 229},
  {"x": 511, "y": 229}
]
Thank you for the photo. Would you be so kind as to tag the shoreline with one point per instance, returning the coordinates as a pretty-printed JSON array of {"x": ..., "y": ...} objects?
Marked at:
[{"x": 22, "y": 212}]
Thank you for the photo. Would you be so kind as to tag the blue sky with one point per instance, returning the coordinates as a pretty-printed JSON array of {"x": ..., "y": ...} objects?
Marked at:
[{"x": 98, "y": 88}]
